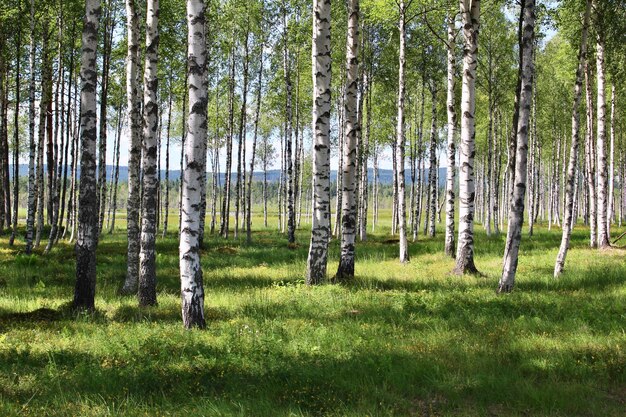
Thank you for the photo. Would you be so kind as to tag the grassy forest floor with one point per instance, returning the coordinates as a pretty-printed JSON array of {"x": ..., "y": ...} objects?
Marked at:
[{"x": 406, "y": 340}]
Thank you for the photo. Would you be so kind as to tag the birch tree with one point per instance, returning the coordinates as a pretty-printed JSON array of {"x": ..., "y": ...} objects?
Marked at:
[
  {"x": 571, "y": 168},
  {"x": 451, "y": 147},
  {"x": 32, "y": 185},
  {"x": 257, "y": 114},
  {"x": 16, "y": 137},
  {"x": 191, "y": 286},
  {"x": 321, "y": 69},
  {"x": 400, "y": 139},
  {"x": 85, "y": 289},
  {"x": 291, "y": 214},
  {"x": 516, "y": 213},
  {"x": 147, "y": 254},
  {"x": 433, "y": 168},
  {"x": 470, "y": 17},
  {"x": 134, "y": 125},
  {"x": 603, "y": 236},
  {"x": 348, "y": 209}
]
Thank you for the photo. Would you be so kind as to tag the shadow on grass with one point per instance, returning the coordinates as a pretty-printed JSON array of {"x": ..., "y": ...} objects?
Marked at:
[{"x": 158, "y": 372}]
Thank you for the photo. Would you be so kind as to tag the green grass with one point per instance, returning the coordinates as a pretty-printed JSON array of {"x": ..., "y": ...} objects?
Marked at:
[{"x": 400, "y": 340}]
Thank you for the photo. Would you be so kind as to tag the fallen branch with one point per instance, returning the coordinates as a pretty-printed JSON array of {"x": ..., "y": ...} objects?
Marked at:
[{"x": 618, "y": 238}]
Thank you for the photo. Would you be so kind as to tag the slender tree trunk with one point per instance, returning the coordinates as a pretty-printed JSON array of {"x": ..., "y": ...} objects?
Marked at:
[
  {"x": 71, "y": 205},
  {"x": 192, "y": 291},
  {"x": 87, "y": 241},
  {"x": 182, "y": 149},
  {"x": 321, "y": 72},
  {"x": 488, "y": 172},
  {"x": 375, "y": 189},
  {"x": 603, "y": 236},
  {"x": 110, "y": 189},
  {"x": 400, "y": 139},
  {"x": 167, "y": 161},
  {"x": 533, "y": 139},
  {"x": 394, "y": 195},
  {"x": 590, "y": 158},
  {"x": 215, "y": 161},
  {"x": 229, "y": 150},
  {"x": 339, "y": 179},
  {"x": 257, "y": 114},
  {"x": 291, "y": 219},
  {"x": 32, "y": 185},
  {"x": 465, "y": 250},
  {"x": 432, "y": 176},
  {"x": 4, "y": 148},
  {"x": 16, "y": 121},
  {"x": 420, "y": 186},
  {"x": 134, "y": 124},
  {"x": 611, "y": 185},
  {"x": 365, "y": 155},
  {"x": 516, "y": 214},
  {"x": 265, "y": 148},
  {"x": 498, "y": 172},
  {"x": 297, "y": 187},
  {"x": 47, "y": 196},
  {"x": 6, "y": 167},
  {"x": 104, "y": 93},
  {"x": 345, "y": 269},
  {"x": 44, "y": 103},
  {"x": 451, "y": 148},
  {"x": 147, "y": 255},
  {"x": 571, "y": 168},
  {"x": 242, "y": 137},
  {"x": 58, "y": 151},
  {"x": 116, "y": 169}
]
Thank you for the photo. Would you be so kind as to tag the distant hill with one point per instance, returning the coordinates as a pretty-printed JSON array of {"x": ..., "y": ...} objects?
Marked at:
[{"x": 385, "y": 175}]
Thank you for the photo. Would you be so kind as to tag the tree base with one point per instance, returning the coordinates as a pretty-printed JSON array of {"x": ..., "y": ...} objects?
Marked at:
[
  {"x": 466, "y": 268},
  {"x": 128, "y": 290},
  {"x": 504, "y": 288},
  {"x": 345, "y": 273}
]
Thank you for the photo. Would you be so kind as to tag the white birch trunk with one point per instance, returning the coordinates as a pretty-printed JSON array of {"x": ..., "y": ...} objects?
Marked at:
[
  {"x": 516, "y": 213},
  {"x": 348, "y": 200},
  {"x": 134, "y": 126},
  {"x": 400, "y": 140},
  {"x": 467, "y": 188},
  {"x": 432, "y": 176},
  {"x": 191, "y": 286},
  {"x": 590, "y": 161},
  {"x": 147, "y": 255},
  {"x": 321, "y": 60},
  {"x": 603, "y": 236},
  {"x": 571, "y": 168},
  {"x": 253, "y": 153},
  {"x": 290, "y": 211},
  {"x": 451, "y": 148},
  {"x": 365, "y": 157},
  {"x": 87, "y": 241},
  {"x": 611, "y": 204}
]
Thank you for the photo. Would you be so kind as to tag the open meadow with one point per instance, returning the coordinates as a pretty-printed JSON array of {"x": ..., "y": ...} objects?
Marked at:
[{"x": 405, "y": 340}]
